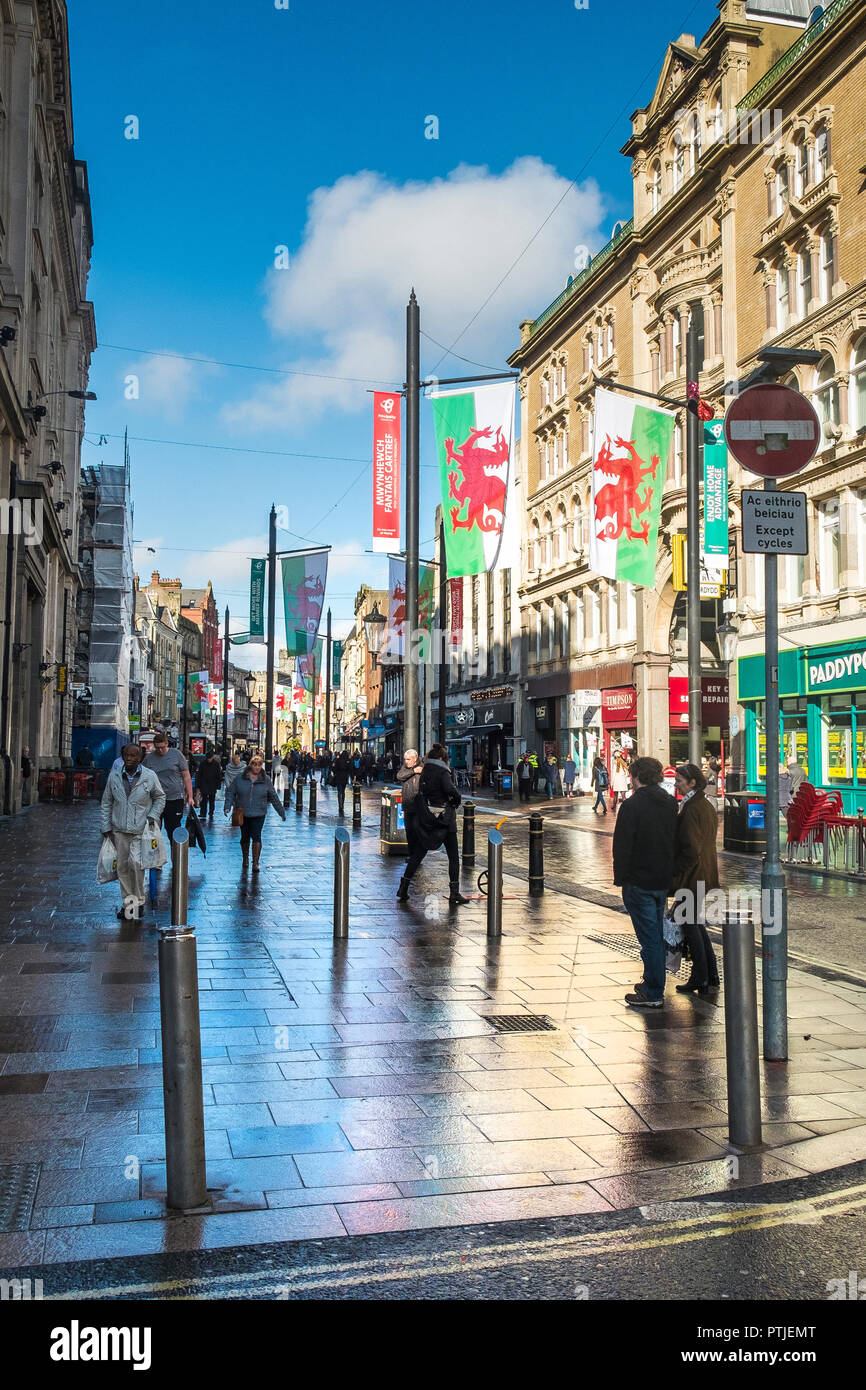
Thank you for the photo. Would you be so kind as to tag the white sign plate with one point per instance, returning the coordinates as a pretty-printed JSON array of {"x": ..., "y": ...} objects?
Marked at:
[{"x": 774, "y": 523}]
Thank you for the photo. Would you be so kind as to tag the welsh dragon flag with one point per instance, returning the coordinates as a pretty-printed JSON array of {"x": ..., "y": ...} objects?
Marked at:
[
  {"x": 475, "y": 448},
  {"x": 629, "y": 459}
]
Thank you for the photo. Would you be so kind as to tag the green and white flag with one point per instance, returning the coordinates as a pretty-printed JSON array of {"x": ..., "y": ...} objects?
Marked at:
[
  {"x": 475, "y": 448},
  {"x": 630, "y": 452},
  {"x": 304, "y": 579}
]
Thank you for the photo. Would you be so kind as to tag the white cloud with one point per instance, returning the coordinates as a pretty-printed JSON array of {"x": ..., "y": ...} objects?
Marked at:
[
  {"x": 368, "y": 241},
  {"x": 169, "y": 383}
]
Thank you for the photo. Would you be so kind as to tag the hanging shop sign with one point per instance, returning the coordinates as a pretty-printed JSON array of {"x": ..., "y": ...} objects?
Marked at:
[{"x": 714, "y": 551}]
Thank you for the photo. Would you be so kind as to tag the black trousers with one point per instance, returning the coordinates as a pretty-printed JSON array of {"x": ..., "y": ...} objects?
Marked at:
[
  {"x": 208, "y": 801},
  {"x": 704, "y": 967},
  {"x": 172, "y": 816},
  {"x": 341, "y": 799},
  {"x": 418, "y": 853},
  {"x": 523, "y": 785}
]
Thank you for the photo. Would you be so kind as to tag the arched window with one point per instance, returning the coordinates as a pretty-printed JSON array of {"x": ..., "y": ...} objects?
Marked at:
[
  {"x": 825, "y": 396},
  {"x": 545, "y": 389},
  {"x": 804, "y": 281},
  {"x": 546, "y": 541},
  {"x": 577, "y": 512},
  {"x": 534, "y": 545},
  {"x": 589, "y": 358},
  {"x": 801, "y": 167},
  {"x": 693, "y": 143},
  {"x": 782, "y": 303},
  {"x": 781, "y": 187},
  {"x": 609, "y": 338},
  {"x": 679, "y": 161},
  {"x": 599, "y": 341},
  {"x": 656, "y": 186},
  {"x": 857, "y": 392},
  {"x": 828, "y": 266},
  {"x": 548, "y": 459},
  {"x": 717, "y": 121},
  {"x": 561, "y": 534},
  {"x": 822, "y": 153},
  {"x": 677, "y": 345}
]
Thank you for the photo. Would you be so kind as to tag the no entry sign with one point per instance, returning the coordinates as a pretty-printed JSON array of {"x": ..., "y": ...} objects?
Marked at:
[{"x": 772, "y": 430}]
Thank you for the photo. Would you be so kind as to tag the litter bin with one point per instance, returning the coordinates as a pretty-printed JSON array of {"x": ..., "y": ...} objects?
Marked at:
[
  {"x": 745, "y": 828},
  {"x": 392, "y": 828},
  {"x": 504, "y": 785}
]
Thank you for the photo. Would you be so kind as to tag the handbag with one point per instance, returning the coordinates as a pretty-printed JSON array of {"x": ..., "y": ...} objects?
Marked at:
[{"x": 238, "y": 815}]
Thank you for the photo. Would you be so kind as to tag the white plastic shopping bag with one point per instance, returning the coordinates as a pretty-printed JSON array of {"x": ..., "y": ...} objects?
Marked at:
[
  {"x": 149, "y": 849},
  {"x": 106, "y": 864}
]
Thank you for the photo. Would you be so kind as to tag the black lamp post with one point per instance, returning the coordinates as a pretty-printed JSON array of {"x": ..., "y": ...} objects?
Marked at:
[{"x": 374, "y": 629}]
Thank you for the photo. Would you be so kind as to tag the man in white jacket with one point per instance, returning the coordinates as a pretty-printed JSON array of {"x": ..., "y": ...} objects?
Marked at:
[{"x": 133, "y": 796}]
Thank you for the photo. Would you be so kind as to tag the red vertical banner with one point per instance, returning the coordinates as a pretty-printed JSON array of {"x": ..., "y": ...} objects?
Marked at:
[
  {"x": 216, "y": 670},
  {"x": 455, "y": 596},
  {"x": 386, "y": 471}
]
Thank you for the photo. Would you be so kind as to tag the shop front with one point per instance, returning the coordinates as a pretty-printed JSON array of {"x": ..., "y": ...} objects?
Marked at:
[
  {"x": 618, "y": 721},
  {"x": 822, "y": 717},
  {"x": 714, "y": 718},
  {"x": 480, "y": 735},
  {"x": 585, "y": 731}
]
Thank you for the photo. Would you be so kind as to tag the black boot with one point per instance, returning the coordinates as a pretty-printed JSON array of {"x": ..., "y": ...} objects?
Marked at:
[
  {"x": 403, "y": 889},
  {"x": 693, "y": 986},
  {"x": 456, "y": 898}
]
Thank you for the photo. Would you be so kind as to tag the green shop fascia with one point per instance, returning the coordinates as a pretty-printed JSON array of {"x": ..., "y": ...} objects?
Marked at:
[{"x": 822, "y": 717}]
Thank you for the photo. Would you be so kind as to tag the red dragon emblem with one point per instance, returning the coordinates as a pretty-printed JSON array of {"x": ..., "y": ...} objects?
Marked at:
[
  {"x": 615, "y": 501},
  {"x": 398, "y": 599},
  {"x": 305, "y": 603},
  {"x": 484, "y": 482}
]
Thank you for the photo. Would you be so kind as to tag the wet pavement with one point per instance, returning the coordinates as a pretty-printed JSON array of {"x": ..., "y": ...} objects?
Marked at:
[
  {"x": 826, "y": 913},
  {"x": 360, "y": 1087}
]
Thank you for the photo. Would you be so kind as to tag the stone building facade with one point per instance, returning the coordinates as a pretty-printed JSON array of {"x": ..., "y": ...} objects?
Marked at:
[
  {"x": 747, "y": 214},
  {"x": 47, "y": 336}
]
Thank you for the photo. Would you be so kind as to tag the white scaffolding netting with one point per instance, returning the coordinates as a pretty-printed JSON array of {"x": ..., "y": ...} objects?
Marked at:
[{"x": 111, "y": 626}]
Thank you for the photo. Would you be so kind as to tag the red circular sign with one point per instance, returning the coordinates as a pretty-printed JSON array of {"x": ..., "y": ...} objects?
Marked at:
[{"x": 772, "y": 430}]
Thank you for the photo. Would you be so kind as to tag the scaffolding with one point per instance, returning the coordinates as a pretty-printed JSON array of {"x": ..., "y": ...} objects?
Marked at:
[{"x": 107, "y": 608}]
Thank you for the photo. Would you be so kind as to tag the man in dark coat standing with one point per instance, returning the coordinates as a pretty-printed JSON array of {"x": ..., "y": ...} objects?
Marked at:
[
  {"x": 643, "y": 861},
  {"x": 340, "y": 773},
  {"x": 208, "y": 780},
  {"x": 696, "y": 873},
  {"x": 436, "y": 823}
]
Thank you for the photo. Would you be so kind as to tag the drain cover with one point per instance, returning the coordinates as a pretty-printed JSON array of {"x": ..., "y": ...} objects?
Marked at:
[
  {"x": 521, "y": 1023},
  {"x": 627, "y": 946},
  {"x": 17, "y": 1191}
]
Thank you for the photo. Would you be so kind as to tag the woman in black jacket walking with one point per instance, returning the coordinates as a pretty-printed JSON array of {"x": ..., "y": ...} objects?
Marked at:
[
  {"x": 341, "y": 771},
  {"x": 436, "y": 823}
]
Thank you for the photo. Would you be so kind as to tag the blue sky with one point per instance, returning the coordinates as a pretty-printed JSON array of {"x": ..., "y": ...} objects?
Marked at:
[{"x": 305, "y": 128}]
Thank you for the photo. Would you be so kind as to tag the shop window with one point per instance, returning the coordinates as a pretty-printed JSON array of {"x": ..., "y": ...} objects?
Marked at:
[
  {"x": 861, "y": 538},
  {"x": 837, "y": 740},
  {"x": 795, "y": 743},
  {"x": 860, "y": 740},
  {"x": 857, "y": 394}
]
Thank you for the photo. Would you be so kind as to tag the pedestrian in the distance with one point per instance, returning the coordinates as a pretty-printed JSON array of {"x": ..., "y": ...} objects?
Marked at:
[
  {"x": 172, "y": 769},
  {"x": 643, "y": 864},
  {"x": 85, "y": 757},
  {"x": 438, "y": 799},
  {"x": 696, "y": 868},
  {"x": 250, "y": 794},
  {"x": 569, "y": 772},
  {"x": 235, "y": 767},
  {"x": 133, "y": 796},
  {"x": 533, "y": 763},
  {"x": 341, "y": 773},
  {"x": 550, "y": 774},
  {"x": 409, "y": 778},
  {"x": 619, "y": 785},
  {"x": 600, "y": 782},
  {"x": 208, "y": 781},
  {"x": 524, "y": 777}
]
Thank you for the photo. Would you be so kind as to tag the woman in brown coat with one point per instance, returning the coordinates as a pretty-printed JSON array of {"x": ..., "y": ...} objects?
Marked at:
[{"x": 695, "y": 862}]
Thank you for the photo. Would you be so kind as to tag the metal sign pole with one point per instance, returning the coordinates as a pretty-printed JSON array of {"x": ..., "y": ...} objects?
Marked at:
[{"x": 774, "y": 899}]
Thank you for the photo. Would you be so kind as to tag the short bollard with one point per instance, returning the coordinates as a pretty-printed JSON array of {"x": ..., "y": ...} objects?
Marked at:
[
  {"x": 494, "y": 883},
  {"x": 313, "y": 795},
  {"x": 341, "y": 883},
  {"x": 299, "y": 796},
  {"x": 741, "y": 1033},
  {"x": 186, "y": 1182},
  {"x": 469, "y": 832},
  {"x": 356, "y": 803},
  {"x": 536, "y": 855}
]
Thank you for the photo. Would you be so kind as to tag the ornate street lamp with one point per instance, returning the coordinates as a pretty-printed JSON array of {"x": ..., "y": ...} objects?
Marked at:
[
  {"x": 374, "y": 627},
  {"x": 727, "y": 635}
]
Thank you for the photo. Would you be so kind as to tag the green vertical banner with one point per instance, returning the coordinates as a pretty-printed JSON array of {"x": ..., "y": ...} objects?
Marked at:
[
  {"x": 336, "y": 664},
  {"x": 715, "y": 548},
  {"x": 304, "y": 580},
  {"x": 426, "y": 597},
  {"x": 257, "y": 598}
]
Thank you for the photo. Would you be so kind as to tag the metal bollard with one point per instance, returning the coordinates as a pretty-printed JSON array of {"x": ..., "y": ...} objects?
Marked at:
[
  {"x": 536, "y": 855},
  {"x": 494, "y": 883},
  {"x": 186, "y": 1181},
  {"x": 469, "y": 832},
  {"x": 313, "y": 795},
  {"x": 741, "y": 1034},
  {"x": 356, "y": 803},
  {"x": 299, "y": 796},
  {"x": 341, "y": 883}
]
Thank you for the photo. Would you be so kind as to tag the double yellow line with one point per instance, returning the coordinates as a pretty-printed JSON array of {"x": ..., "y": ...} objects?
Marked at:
[{"x": 404, "y": 1268}]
